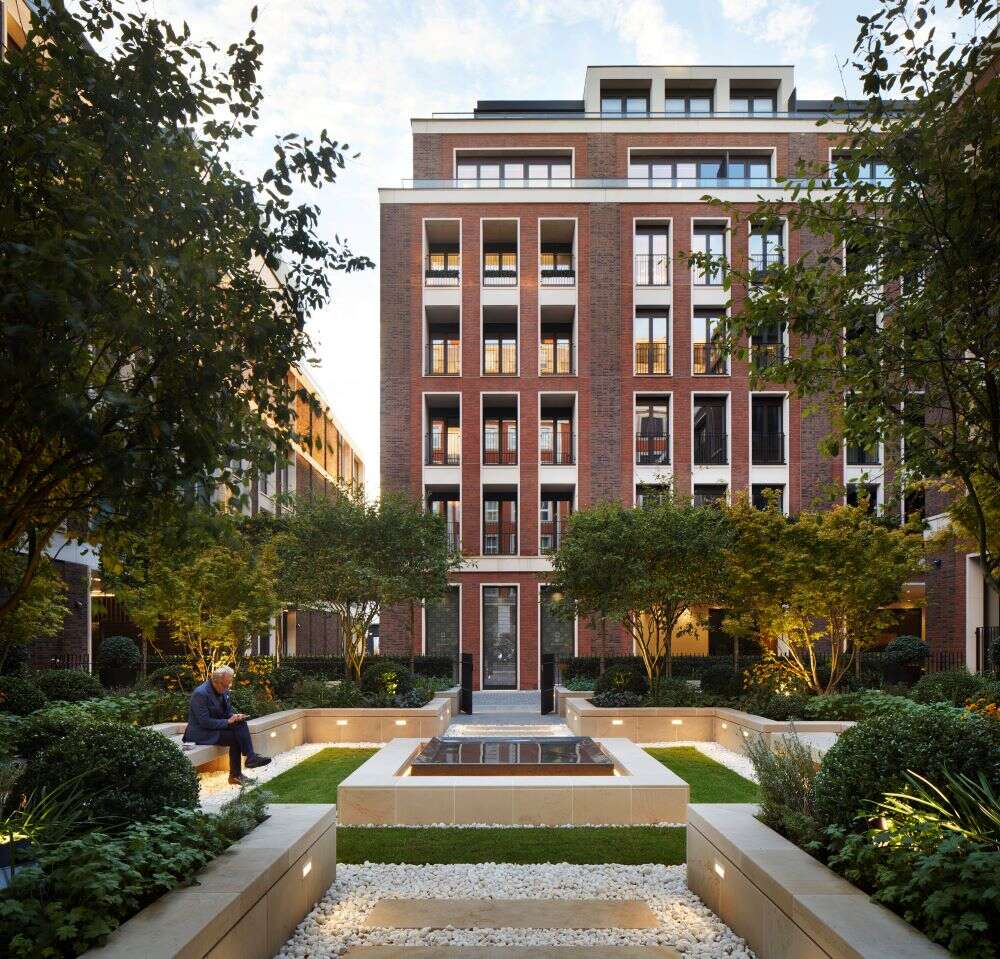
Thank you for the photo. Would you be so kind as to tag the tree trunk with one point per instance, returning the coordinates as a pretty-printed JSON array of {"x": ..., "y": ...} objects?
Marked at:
[
  {"x": 413, "y": 637},
  {"x": 603, "y": 643}
]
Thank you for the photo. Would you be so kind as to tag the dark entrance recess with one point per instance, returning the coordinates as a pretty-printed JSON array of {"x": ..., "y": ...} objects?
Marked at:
[
  {"x": 465, "y": 697},
  {"x": 548, "y": 683}
]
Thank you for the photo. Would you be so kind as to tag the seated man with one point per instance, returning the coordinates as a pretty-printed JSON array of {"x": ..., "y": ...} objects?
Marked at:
[{"x": 212, "y": 722}]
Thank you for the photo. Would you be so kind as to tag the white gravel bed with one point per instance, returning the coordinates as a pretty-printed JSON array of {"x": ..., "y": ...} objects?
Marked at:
[
  {"x": 507, "y": 825},
  {"x": 686, "y": 924},
  {"x": 214, "y": 787},
  {"x": 737, "y": 762}
]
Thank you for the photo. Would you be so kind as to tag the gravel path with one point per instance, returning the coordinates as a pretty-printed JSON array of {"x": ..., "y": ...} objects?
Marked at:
[
  {"x": 685, "y": 923},
  {"x": 215, "y": 789}
]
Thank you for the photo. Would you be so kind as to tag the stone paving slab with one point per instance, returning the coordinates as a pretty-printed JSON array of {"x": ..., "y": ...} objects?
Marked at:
[
  {"x": 511, "y": 952},
  {"x": 511, "y": 914}
]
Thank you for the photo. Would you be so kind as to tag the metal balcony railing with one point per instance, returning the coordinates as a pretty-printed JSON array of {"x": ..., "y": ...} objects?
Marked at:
[
  {"x": 558, "y": 275},
  {"x": 652, "y": 357},
  {"x": 444, "y": 358},
  {"x": 708, "y": 359},
  {"x": 551, "y": 533},
  {"x": 443, "y": 450},
  {"x": 561, "y": 454},
  {"x": 555, "y": 358},
  {"x": 501, "y": 270},
  {"x": 863, "y": 456},
  {"x": 761, "y": 263},
  {"x": 711, "y": 449},
  {"x": 441, "y": 272},
  {"x": 493, "y": 456},
  {"x": 652, "y": 269},
  {"x": 500, "y": 357},
  {"x": 768, "y": 449},
  {"x": 652, "y": 450},
  {"x": 499, "y": 539},
  {"x": 453, "y": 532},
  {"x": 768, "y": 355}
]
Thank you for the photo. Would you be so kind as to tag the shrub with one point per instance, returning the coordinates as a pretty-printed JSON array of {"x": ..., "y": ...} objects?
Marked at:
[
  {"x": 674, "y": 692},
  {"x": 871, "y": 758},
  {"x": 284, "y": 681},
  {"x": 386, "y": 679},
  {"x": 580, "y": 683},
  {"x": 118, "y": 652},
  {"x": 622, "y": 679},
  {"x": 20, "y": 696},
  {"x": 722, "y": 680},
  {"x": 905, "y": 651},
  {"x": 785, "y": 774},
  {"x": 327, "y": 667},
  {"x": 319, "y": 694},
  {"x": 437, "y": 684},
  {"x": 414, "y": 699},
  {"x": 174, "y": 677},
  {"x": 853, "y": 706},
  {"x": 569, "y": 669},
  {"x": 68, "y": 685},
  {"x": 775, "y": 705},
  {"x": 126, "y": 774},
  {"x": 422, "y": 665},
  {"x": 955, "y": 686},
  {"x": 617, "y": 699},
  {"x": 252, "y": 701}
]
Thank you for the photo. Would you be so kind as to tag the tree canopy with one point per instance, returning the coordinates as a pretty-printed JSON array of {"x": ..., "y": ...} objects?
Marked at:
[{"x": 153, "y": 297}]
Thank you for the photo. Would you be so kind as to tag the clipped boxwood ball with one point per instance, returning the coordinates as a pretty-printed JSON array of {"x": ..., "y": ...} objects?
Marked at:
[
  {"x": 386, "y": 679},
  {"x": 118, "y": 652},
  {"x": 123, "y": 773},
  {"x": 20, "y": 696},
  {"x": 68, "y": 685},
  {"x": 905, "y": 651}
]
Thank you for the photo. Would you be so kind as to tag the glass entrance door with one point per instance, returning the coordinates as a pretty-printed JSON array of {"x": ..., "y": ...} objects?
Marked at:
[{"x": 499, "y": 637}]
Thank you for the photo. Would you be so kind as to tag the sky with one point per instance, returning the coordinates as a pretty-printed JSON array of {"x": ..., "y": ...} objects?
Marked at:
[{"x": 362, "y": 68}]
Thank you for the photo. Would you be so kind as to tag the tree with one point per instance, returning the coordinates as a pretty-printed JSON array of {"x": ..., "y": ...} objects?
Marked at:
[
  {"x": 145, "y": 336},
  {"x": 643, "y": 568},
  {"x": 205, "y": 579},
  {"x": 357, "y": 557},
  {"x": 41, "y": 612},
  {"x": 909, "y": 327},
  {"x": 815, "y": 587}
]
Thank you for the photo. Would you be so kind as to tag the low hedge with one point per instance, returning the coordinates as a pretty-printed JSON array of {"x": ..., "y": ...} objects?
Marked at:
[
  {"x": 955, "y": 687},
  {"x": 125, "y": 774},
  {"x": 20, "y": 696},
  {"x": 622, "y": 679},
  {"x": 67, "y": 685}
]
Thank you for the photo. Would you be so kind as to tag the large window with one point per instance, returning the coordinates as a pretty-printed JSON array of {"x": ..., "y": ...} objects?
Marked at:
[
  {"x": 752, "y": 102},
  {"x": 513, "y": 171},
  {"x": 710, "y": 240},
  {"x": 711, "y": 443},
  {"x": 708, "y": 329},
  {"x": 651, "y": 343},
  {"x": 624, "y": 102},
  {"x": 652, "y": 256},
  {"x": 553, "y": 516},
  {"x": 684, "y": 103},
  {"x": 557, "y": 632},
  {"x": 767, "y": 415},
  {"x": 500, "y": 349},
  {"x": 499, "y": 525},
  {"x": 652, "y": 430},
  {"x": 441, "y": 620},
  {"x": 766, "y": 250},
  {"x": 500, "y": 440},
  {"x": 499, "y": 637},
  {"x": 693, "y": 171}
]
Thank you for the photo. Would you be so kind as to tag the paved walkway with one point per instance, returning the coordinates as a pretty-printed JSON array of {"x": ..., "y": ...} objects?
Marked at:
[{"x": 507, "y": 713}]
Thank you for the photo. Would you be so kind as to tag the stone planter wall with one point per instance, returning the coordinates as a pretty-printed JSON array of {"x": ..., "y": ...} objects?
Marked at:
[
  {"x": 784, "y": 902},
  {"x": 246, "y": 903},
  {"x": 564, "y": 695}
]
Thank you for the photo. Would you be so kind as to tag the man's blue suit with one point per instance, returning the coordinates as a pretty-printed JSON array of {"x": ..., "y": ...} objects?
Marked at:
[{"x": 208, "y": 725}]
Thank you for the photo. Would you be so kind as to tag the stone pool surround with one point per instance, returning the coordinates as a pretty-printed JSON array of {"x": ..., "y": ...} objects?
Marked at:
[
  {"x": 729, "y": 728},
  {"x": 279, "y": 732},
  {"x": 642, "y": 793}
]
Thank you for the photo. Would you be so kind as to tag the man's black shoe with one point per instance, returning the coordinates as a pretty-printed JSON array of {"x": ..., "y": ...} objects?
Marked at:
[
  {"x": 253, "y": 762},
  {"x": 241, "y": 781}
]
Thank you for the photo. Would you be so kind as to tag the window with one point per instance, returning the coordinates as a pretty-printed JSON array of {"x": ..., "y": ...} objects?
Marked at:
[
  {"x": 767, "y": 430},
  {"x": 768, "y": 347},
  {"x": 553, "y": 515},
  {"x": 626, "y": 102},
  {"x": 692, "y": 171},
  {"x": 649, "y": 494},
  {"x": 499, "y": 637},
  {"x": 709, "y": 494},
  {"x": 708, "y": 329},
  {"x": 863, "y": 492},
  {"x": 749, "y": 171},
  {"x": 651, "y": 342},
  {"x": 710, "y": 439},
  {"x": 556, "y": 355},
  {"x": 556, "y": 264},
  {"x": 871, "y": 170},
  {"x": 763, "y": 493},
  {"x": 679, "y": 103},
  {"x": 711, "y": 241},
  {"x": 444, "y": 350},
  {"x": 557, "y": 631},
  {"x": 652, "y": 431},
  {"x": 500, "y": 267},
  {"x": 766, "y": 250},
  {"x": 449, "y": 508},
  {"x": 752, "y": 102},
  {"x": 441, "y": 620},
  {"x": 443, "y": 268},
  {"x": 513, "y": 171},
  {"x": 444, "y": 442},
  {"x": 555, "y": 440},
  {"x": 652, "y": 255},
  {"x": 499, "y": 349},
  {"x": 500, "y": 526},
  {"x": 500, "y": 441}
]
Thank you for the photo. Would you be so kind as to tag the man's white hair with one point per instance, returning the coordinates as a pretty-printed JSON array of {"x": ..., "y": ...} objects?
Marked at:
[{"x": 223, "y": 671}]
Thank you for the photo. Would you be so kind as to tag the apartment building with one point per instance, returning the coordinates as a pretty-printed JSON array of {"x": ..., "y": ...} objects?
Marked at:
[{"x": 545, "y": 346}]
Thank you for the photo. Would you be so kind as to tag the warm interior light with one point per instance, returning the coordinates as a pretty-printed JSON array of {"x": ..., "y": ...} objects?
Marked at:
[
  {"x": 719, "y": 871},
  {"x": 308, "y": 868},
  {"x": 341, "y": 722},
  {"x": 676, "y": 722}
]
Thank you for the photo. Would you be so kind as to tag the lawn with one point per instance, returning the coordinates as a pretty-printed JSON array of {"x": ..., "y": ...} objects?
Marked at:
[
  {"x": 709, "y": 781},
  {"x": 316, "y": 779},
  {"x": 629, "y": 845}
]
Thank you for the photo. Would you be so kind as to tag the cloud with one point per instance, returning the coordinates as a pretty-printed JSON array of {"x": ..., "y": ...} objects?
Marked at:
[{"x": 656, "y": 40}]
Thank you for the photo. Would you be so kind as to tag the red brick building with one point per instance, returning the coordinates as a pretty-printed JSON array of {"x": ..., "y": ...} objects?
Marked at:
[{"x": 545, "y": 346}]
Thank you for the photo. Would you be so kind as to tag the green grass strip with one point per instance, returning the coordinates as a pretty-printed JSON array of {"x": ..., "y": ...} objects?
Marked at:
[
  {"x": 316, "y": 779},
  {"x": 628, "y": 845},
  {"x": 709, "y": 781}
]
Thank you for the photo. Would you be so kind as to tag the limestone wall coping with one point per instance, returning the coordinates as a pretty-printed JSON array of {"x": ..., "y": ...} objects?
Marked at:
[
  {"x": 247, "y": 901},
  {"x": 784, "y": 902}
]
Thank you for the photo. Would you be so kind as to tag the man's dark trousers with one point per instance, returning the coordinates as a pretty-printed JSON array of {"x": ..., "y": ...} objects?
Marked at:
[{"x": 237, "y": 738}]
